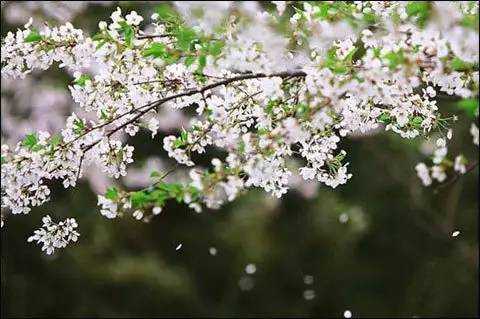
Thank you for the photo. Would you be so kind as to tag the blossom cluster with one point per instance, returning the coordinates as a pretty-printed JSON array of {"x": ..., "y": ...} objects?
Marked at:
[
  {"x": 441, "y": 164},
  {"x": 276, "y": 101},
  {"x": 55, "y": 235}
]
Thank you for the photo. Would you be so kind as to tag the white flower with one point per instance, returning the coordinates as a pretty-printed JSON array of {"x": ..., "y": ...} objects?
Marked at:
[
  {"x": 281, "y": 5},
  {"x": 102, "y": 25},
  {"x": 133, "y": 18},
  {"x": 131, "y": 129},
  {"x": 423, "y": 174},
  {"x": 254, "y": 106},
  {"x": 474, "y": 132},
  {"x": 156, "y": 210},
  {"x": 439, "y": 153},
  {"x": 438, "y": 173},
  {"x": 137, "y": 214},
  {"x": 308, "y": 172},
  {"x": 53, "y": 235},
  {"x": 431, "y": 91},
  {"x": 153, "y": 126},
  {"x": 116, "y": 15},
  {"x": 459, "y": 165},
  {"x": 109, "y": 208},
  {"x": 29, "y": 23}
]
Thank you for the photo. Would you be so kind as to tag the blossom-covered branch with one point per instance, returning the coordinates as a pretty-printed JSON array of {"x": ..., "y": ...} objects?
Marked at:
[{"x": 262, "y": 94}]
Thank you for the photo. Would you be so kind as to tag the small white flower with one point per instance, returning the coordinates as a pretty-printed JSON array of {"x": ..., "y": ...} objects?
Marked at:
[
  {"x": 133, "y": 18},
  {"x": 250, "y": 269},
  {"x": 53, "y": 235},
  {"x": 423, "y": 174},
  {"x": 308, "y": 279},
  {"x": 441, "y": 142},
  {"x": 29, "y": 23},
  {"x": 309, "y": 294},
  {"x": 131, "y": 129},
  {"x": 474, "y": 132},
  {"x": 153, "y": 126},
  {"x": 102, "y": 25},
  {"x": 438, "y": 173},
  {"x": 281, "y": 5},
  {"x": 431, "y": 91},
  {"x": 138, "y": 214},
  {"x": 449, "y": 134},
  {"x": 459, "y": 164}
]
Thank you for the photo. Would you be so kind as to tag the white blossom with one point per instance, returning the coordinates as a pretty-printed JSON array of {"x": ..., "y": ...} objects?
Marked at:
[
  {"x": 424, "y": 174},
  {"x": 474, "y": 132},
  {"x": 55, "y": 235}
]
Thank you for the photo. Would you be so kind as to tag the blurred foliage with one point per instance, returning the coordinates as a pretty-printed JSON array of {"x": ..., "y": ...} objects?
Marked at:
[{"x": 394, "y": 256}]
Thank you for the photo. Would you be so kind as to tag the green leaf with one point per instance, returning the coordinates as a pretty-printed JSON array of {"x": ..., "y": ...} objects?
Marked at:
[
  {"x": 178, "y": 142},
  {"x": 331, "y": 58},
  {"x": 385, "y": 117},
  {"x": 471, "y": 21},
  {"x": 469, "y": 106},
  {"x": 139, "y": 198},
  {"x": 394, "y": 59},
  {"x": 262, "y": 131},
  {"x": 340, "y": 69},
  {"x": 458, "y": 64},
  {"x": 55, "y": 140},
  {"x": 30, "y": 140},
  {"x": 416, "y": 121},
  {"x": 241, "y": 147},
  {"x": 155, "y": 174},
  {"x": 166, "y": 13},
  {"x": 420, "y": 10},
  {"x": 112, "y": 193},
  {"x": 33, "y": 36},
  {"x": 333, "y": 63},
  {"x": 301, "y": 108},
  {"x": 270, "y": 106},
  {"x": 98, "y": 36},
  {"x": 215, "y": 48},
  {"x": 128, "y": 32},
  {"x": 349, "y": 57},
  {"x": 184, "y": 136},
  {"x": 323, "y": 12},
  {"x": 202, "y": 61},
  {"x": 156, "y": 50},
  {"x": 82, "y": 79},
  {"x": 158, "y": 196},
  {"x": 37, "y": 148},
  {"x": 369, "y": 18},
  {"x": 184, "y": 37},
  {"x": 189, "y": 60}
]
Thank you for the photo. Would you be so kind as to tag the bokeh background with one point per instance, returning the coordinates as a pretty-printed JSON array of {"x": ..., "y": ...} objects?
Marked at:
[{"x": 379, "y": 246}]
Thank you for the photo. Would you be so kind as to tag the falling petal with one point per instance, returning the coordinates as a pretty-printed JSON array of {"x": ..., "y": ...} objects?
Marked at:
[
  {"x": 308, "y": 279},
  {"x": 250, "y": 269},
  {"x": 309, "y": 294}
]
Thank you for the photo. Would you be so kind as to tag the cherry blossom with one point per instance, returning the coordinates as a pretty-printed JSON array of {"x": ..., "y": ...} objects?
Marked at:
[{"x": 277, "y": 102}]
